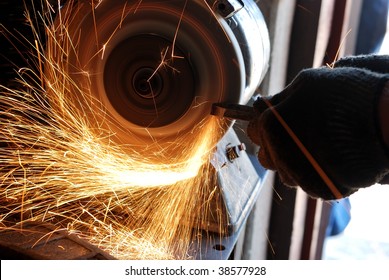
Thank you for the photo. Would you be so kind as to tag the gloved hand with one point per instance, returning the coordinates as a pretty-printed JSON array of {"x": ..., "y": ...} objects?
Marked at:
[{"x": 333, "y": 112}]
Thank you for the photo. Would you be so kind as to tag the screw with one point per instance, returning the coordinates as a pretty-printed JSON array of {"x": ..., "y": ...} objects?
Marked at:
[
  {"x": 234, "y": 151},
  {"x": 227, "y": 8}
]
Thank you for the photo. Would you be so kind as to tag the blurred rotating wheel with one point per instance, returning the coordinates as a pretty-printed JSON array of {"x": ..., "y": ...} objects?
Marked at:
[{"x": 155, "y": 67}]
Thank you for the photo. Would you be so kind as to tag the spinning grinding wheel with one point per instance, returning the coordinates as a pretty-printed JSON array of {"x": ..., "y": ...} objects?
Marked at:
[{"x": 155, "y": 67}]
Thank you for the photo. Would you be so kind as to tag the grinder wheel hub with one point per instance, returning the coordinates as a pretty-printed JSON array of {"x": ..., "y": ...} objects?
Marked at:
[
  {"x": 146, "y": 83},
  {"x": 141, "y": 92}
]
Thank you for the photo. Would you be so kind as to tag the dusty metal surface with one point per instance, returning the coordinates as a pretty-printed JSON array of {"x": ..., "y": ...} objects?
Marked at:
[{"x": 43, "y": 242}]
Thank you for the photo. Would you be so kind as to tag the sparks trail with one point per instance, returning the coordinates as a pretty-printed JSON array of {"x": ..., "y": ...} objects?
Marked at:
[
  {"x": 337, "y": 55},
  {"x": 57, "y": 167},
  {"x": 165, "y": 61}
]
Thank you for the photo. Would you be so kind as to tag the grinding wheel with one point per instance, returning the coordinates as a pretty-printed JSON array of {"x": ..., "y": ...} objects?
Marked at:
[{"x": 154, "y": 68}]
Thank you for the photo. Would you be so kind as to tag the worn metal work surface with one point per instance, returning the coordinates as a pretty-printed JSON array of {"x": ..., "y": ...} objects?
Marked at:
[{"x": 44, "y": 242}]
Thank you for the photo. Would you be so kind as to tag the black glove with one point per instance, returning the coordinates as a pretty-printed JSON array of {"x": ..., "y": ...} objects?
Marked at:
[
  {"x": 333, "y": 112},
  {"x": 374, "y": 63}
]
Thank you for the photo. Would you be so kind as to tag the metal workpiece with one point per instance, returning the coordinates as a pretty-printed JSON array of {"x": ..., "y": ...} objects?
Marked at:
[{"x": 233, "y": 111}]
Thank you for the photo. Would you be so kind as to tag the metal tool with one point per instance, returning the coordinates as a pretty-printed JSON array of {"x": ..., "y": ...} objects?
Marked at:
[{"x": 233, "y": 111}]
